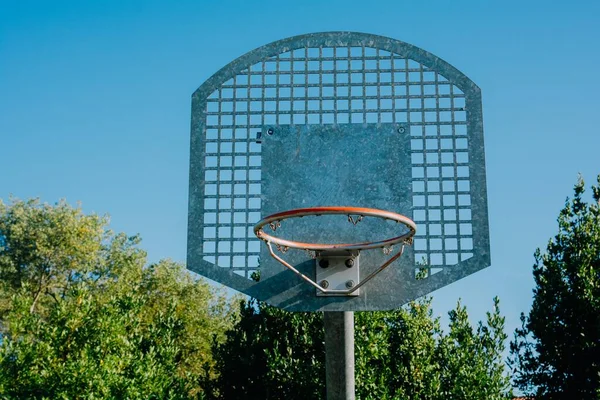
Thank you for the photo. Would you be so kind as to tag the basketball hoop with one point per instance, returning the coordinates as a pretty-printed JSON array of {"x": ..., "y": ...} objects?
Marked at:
[{"x": 355, "y": 215}]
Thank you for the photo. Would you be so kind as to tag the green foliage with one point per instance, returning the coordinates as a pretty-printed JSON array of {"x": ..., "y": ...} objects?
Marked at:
[
  {"x": 401, "y": 354},
  {"x": 556, "y": 352},
  {"x": 82, "y": 317}
]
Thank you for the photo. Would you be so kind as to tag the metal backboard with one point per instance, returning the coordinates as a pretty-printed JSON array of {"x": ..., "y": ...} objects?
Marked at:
[{"x": 337, "y": 119}]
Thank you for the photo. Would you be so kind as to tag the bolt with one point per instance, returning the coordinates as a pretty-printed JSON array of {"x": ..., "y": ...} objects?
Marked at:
[
  {"x": 270, "y": 131},
  {"x": 324, "y": 284},
  {"x": 350, "y": 263},
  {"x": 350, "y": 284},
  {"x": 323, "y": 263},
  {"x": 401, "y": 129}
]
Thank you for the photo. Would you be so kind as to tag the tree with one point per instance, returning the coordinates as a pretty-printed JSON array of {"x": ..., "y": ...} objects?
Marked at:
[
  {"x": 84, "y": 317},
  {"x": 400, "y": 354},
  {"x": 556, "y": 352}
]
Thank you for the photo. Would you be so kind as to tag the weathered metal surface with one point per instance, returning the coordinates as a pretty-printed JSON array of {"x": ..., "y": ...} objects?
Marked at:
[
  {"x": 339, "y": 355},
  {"x": 346, "y": 119}
]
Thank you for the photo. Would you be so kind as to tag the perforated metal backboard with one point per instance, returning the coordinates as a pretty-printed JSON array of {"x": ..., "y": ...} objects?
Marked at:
[{"x": 337, "y": 119}]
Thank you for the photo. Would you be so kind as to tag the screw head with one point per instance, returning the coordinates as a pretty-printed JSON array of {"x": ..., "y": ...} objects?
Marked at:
[
  {"x": 270, "y": 131},
  {"x": 349, "y": 263},
  {"x": 324, "y": 284},
  {"x": 350, "y": 284},
  {"x": 401, "y": 129},
  {"x": 323, "y": 263}
]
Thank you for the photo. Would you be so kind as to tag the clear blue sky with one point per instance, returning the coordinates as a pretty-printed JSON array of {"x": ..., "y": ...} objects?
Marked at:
[{"x": 95, "y": 106}]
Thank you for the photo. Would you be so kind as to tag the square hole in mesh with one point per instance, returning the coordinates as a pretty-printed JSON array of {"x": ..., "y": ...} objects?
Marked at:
[
  {"x": 252, "y": 260},
  {"x": 419, "y": 215},
  {"x": 343, "y": 118},
  {"x": 464, "y": 200},
  {"x": 226, "y": 175},
  {"x": 314, "y": 92},
  {"x": 253, "y": 217},
  {"x": 433, "y": 172},
  {"x": 466, "y": 244},
  {"x": 461, "y": 143},
  {"x": 401, "y": 117},
  {"x": 464, "y": 214},
  {"x": 421, "y": 259},
  {"x": 448, "y": 186},
  {"x": 225, "y": 189},
  {"x": 446, "y": 144},
  {"x": 208, "y": 247},
  {"x": 418, "y": 201},
  {"x": 209, "y": 232},
  {"x": 253, "y": 246},
  {"x": 210, "y": 204},
  {"x": 239, "y": 203},
  {"x": 212, "y": 134},
  {"x": 299, "y": 92},
  {"x": 433, "y": 200},
  {"x": 433, "y": 186},
  {"x": 371, "y": 118},
  {"x": 224, "y": 232},
  {"x": 420, "y": 244},
  {"x": 254, "y": 203},
  {"x": 433, "y": 158},
  {"x": 416, "y": 144},
  {"x": 328, "y": 118},
  {"x": 285, "y": 92},
  {"x": 435, "y": 229},
  {"x": 448, "y": 158},
  {"x": 447, "y": 172},
  {"x": 210, "y": 190},
  {"x": 449, "y": 229},
  {"x": 431, "y": 144},
  {"x": 239, "y": 217},
  {"x": 464, "y": 186},
  {"x": 224, "y": 246},
  {"x": 314, "y": 118},
  {"x": 299, "y": 119},
  {"x": 418, "y": 186},
  {"x": 254, "y": 174},
  {"x": 416, "y": 117},
  {"x": 239, "y": 261},
  {"x": 327, "y": 91},
  {"x": 451, "y": 244},
  {"x": 357, "y": 118},
  {"x": 417, "y": 158},
  {"x": 459, "y": 102},
  {"x": 449, "y": 215},
  {"x": 387, "y": 117},
  {"x": 210, "y": 218},
  {"x": 434, "y": 215},
  {"x": 462, "y": 157},
  {"x": 210, "y": 175},
  {"x": 240, "y": 188},
  {"x": 225, "y": 218},
  {"x": 466, "y": 229},
  {"x": 299, "y": 79},
  {"x": 435, "y": 244},
  {"x": 371, "y": 91},
  {"x": 284, "y": 119},
  {"x": 342, "y": 78},
  {"x": 418, "y": 172},
  {"x": 239, "y": 232},
  {"x": 415, "y": 103},
  {"x": 449, "y": 200},
  {"x": 436, "y": 259},
  {"x": 451, "y": 258},
  {"x": 299, "y": 105},
  {"x": 224, "y": 261},
  {"x": 444, "y": 102},
  {"x": 298, "y": 65}
]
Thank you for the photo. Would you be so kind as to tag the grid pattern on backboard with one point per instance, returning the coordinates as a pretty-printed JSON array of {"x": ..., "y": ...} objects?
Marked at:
[{"x": 336, "y": 85}]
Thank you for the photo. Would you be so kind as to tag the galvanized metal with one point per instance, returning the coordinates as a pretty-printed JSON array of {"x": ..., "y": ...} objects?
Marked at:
[
  {"x": 330, "y": 119},
  {"x": 339, "y": 355}
]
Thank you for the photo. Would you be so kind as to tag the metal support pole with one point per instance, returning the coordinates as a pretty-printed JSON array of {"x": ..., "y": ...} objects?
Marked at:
[{"x": 339, "y": 354}]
